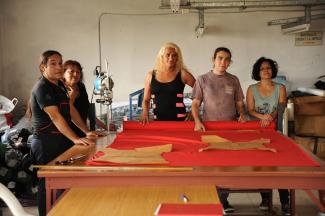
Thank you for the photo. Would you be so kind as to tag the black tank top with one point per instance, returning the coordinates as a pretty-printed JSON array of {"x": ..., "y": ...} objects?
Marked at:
[{"x": 167, "y": 99}]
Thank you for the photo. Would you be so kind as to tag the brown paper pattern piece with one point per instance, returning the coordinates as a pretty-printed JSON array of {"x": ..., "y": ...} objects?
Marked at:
[
  {"x": 213, "y": 138},
  {"x": 145, "y": 155},
  {"x": 217, "y": 143},
  {"x": 158, "y": 149}
]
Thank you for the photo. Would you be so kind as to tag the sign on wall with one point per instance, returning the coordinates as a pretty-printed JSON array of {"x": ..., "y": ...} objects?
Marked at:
[{"x": 309, "y": 38}]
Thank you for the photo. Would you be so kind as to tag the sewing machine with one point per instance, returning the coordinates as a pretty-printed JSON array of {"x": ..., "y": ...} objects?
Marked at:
[{"x": 103, "y": 85}]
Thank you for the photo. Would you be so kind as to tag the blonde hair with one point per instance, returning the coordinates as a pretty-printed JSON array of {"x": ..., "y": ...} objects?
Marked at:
[{"x": 159, "y": 59}]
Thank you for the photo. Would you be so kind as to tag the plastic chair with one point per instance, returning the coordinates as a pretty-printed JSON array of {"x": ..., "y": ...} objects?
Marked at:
[
  {"x": 12, "y": 202},
  {"x": 138, "y": 93}
]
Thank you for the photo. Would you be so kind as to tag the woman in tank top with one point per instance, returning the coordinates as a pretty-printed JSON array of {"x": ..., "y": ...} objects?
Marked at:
[
  {"x": 263, "y": 99},
  {"x": 165, "y": 85}
]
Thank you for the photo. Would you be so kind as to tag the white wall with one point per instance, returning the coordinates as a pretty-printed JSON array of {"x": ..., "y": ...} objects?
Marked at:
[
  {"x": 1, "y": 53},
  {"x": 130, "y": 43}
]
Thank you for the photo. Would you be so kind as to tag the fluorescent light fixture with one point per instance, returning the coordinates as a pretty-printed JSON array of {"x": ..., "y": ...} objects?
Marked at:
[{"x": 293, "y": 28}]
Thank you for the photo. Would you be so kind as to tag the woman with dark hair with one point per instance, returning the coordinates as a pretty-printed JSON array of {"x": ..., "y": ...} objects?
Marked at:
[
  {"x": 263, "y": 100},
  {"x": 222, "y": 98},
  {"x": 72, "y": 78},
  {"x": 264, "y": 97},
  {"x": 73, "y": 81},
  {"x": 220, "y": 92},
  {"x": 52, "y": 118}
]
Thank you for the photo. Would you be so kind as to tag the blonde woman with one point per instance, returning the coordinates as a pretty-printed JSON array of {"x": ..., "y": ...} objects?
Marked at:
[{"x": 165, "y": 85}]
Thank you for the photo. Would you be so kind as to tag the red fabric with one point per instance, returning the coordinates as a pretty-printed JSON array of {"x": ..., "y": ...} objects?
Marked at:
[
  {"x": 189, "y": 126},
  {"x": 187, "y": 142},
  {"x": 9, "y": 118}
]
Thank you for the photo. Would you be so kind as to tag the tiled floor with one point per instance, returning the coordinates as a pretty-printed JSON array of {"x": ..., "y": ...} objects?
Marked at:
[
  {"x": 248, "y": 203},
  {"x": 30, "y": 210}
]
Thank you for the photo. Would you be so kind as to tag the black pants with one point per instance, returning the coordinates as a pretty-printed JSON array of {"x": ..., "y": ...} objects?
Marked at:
[
  {"x": 283, "y": 194},
  {"x": 223, "y": 196},
  {"x": 45, "y": 148}
]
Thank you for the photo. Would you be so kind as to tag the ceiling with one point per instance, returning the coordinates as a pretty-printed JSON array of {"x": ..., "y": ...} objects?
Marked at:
[{"x": 313, "y": 9}]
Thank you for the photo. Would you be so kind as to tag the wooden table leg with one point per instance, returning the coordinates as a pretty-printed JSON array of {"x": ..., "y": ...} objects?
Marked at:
[
  {"x": 48, "y": 199},
  {"x": 321, "y": 195},
  {"x": 315, "y": 146},
  {"x": 319, "y": 201},
  {"x": 54, "y": 195},
  {"x": 292, "y": 202}
]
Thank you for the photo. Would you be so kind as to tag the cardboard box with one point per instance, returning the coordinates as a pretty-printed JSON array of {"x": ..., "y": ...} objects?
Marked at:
[
  {"x": 309, "y": 116},
  {"x": 309, "y": 105},
  {"x": 310, "y": 125}
]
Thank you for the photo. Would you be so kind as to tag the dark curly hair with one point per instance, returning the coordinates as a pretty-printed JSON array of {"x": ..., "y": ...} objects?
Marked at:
[
  {"x": 219, "y": 49},
  {"x": 256, "y": 68}
]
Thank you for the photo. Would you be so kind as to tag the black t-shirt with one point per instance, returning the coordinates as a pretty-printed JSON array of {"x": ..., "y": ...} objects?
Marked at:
[
  {"x": 46, "y": 94},
  {"x": 81, "y": 103}
]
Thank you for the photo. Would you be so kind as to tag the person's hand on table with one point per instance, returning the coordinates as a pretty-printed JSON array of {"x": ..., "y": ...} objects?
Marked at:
[
  {"x": 144, "y": 119},
  {"x": 267, "y": 117},
  {"x": 199, "y": 126},
  {"x": 265, "y": 123},
  {"x": 266, "y": 120},
  {"x": 83, "y": 141},
  {"x": 92, "y": 134},
  {"x": 100, "y": 133},
  {"x": 242, "y": 118}
]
